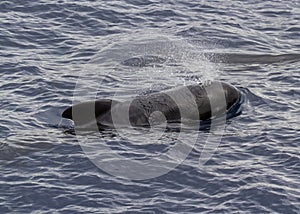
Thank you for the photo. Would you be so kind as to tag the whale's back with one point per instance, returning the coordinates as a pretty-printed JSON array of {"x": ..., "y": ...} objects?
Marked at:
[{"x": 194, "y": 102}]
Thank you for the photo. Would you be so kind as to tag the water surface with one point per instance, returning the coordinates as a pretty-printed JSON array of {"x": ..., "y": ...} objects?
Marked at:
[{"x": 51, "y": 50}]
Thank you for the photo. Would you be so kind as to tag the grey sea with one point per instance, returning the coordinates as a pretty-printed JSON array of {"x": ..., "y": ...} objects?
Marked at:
[{"x": 60, "y": 52}]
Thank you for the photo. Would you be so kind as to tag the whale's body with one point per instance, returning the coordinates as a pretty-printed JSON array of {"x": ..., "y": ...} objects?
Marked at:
[{"x": 193, "y": 102}]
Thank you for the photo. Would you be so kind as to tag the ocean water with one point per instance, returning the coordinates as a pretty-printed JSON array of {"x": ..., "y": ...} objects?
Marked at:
[{"x": 56, "y": 53}]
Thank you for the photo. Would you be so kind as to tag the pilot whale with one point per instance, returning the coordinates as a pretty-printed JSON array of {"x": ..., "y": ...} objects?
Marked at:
[{"x": 198, "y": 102}]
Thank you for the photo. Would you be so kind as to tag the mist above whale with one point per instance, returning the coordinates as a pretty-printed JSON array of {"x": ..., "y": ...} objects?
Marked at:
[{"x": 197, "y": 102}]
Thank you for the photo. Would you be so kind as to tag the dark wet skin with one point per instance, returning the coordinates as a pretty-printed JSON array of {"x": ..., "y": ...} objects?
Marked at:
[{"x": 194, "y": 102}]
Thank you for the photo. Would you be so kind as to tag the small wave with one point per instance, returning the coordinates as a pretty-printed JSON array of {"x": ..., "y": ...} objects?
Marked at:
[{"x": 235, "y": 58}]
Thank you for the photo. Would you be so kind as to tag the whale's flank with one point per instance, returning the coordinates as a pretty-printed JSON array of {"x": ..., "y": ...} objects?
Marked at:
[{"x": 193, "y": 102}]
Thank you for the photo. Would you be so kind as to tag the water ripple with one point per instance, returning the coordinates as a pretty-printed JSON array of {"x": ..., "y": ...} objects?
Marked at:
[{"x": 48, "y": 47}]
